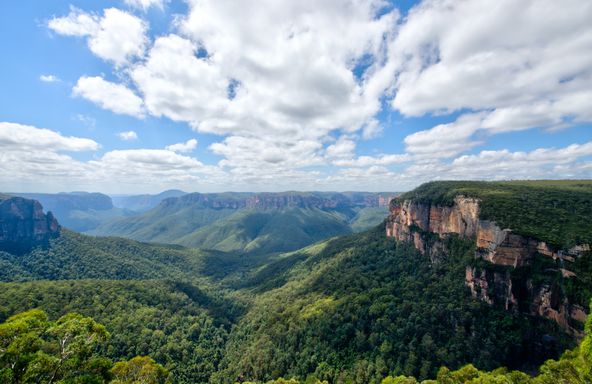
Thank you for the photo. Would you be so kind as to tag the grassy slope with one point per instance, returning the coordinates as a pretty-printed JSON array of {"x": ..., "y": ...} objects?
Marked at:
[{"x": 558, "y": 212}]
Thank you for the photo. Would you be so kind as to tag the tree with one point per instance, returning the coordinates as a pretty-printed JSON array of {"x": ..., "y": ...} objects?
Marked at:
[{"x": 139, "y": 370}]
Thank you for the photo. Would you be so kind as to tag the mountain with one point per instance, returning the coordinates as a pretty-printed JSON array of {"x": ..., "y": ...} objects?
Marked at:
[
  {"x": 141, "y": 203},
  {"x": 247, "y": 222},
  {"x": 394, "y": 300},
  {"x": 78, "y": 211}
]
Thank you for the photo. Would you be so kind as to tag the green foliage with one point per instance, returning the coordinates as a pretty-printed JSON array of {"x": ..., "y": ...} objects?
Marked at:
[
  {"x": 267, "y": 231},
  {"x": 35, "y": 350},
  {"x": 75, "y": 256},
  {"x": 139, "y": 370},
  {"x": 180, "y": 325},
  {"x": 361, "y": 307},
  {"x": 558, "y": 212},
  {"x": 224, "y": 222},
  {"x": 355, "y": 309}
]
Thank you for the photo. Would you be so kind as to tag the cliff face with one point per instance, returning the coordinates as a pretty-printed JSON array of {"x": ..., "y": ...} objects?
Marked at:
[
  {"x": 281, "y": 200},
  {"x": 23, "y": 225},
  {"x": 418, "y": 223}
]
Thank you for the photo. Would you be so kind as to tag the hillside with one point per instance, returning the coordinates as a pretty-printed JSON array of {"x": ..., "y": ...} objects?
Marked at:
[
  {"x": 75, "y": 256},
  {"x": 246, "y": 222},
  {"x": 359, "y": 306},
  {"x": 142, "y": 203},
  {"x": 78, "y": 211},
  {"x": 355, "y": 308}
]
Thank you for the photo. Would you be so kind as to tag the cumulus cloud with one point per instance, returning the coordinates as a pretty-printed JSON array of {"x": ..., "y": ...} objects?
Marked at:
[
  {"x": 445, "y": 140},
  {"x": 127, "y": 135},
  {"x": 115, "y": 97},
  {"x": 35, "y": 156},
  {"x": 293, "y": 88},
  {"x": 117, "y": 36},
  {"x": 49, "y": 78},
  {"x": 572, "y": 161},
  {"x": 28, "y": 138},
  {"x": 344, "y": 147},
  {"x": 145, "y": 4},
  {"x": 373, "y": 161},
  {"x": 187, "y": 146},
  {"x": 511, "y": 56}
]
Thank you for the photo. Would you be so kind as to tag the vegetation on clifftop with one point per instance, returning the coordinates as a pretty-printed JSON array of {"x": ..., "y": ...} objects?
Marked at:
[{"x": 558, "y": 212}]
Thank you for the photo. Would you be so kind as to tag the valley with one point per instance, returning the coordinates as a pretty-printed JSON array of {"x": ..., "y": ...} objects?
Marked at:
[{"x": 418, "y": 291}]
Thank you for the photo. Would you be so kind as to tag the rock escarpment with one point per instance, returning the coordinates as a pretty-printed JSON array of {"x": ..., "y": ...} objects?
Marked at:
[
  {"x": 281, "y": 200},
  {"x": 500, "y": 255},
  {"x": 24, "y": 225}
]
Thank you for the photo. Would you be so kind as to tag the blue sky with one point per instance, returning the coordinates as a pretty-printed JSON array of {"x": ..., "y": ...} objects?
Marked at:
[{"x": 362, "y": 95}]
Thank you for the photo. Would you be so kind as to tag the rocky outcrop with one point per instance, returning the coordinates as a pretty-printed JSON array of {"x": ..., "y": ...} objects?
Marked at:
[
  {"x": 23, "y": 225},
  {"x": 426, "y": 225},
  {"x": 282, "y": 200},
  {"x": 494, "y": 244}
]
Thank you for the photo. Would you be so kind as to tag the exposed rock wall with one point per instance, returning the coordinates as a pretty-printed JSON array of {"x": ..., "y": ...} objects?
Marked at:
[
  {"x": 281, "y": 200},
  {"x": 417, "y": 223},
  {"x": 23, "y": 225}
]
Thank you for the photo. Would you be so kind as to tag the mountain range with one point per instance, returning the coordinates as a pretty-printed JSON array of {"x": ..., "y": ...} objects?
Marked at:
[{"x": 488, "y": 273}]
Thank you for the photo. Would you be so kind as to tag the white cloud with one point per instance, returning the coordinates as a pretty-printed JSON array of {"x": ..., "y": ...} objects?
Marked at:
[
  {"x": 117, "y": 36},
  {"x": 145, "y": 4},
  {"x": 279, "y": 82},
  {"x": 520, "y": 60},
  {"x": 112, "y": 96},
  {"x": 33, "y": 157},
  {"x": 87, "y": 121},
  {"x": 77, "y": 23},
  {"x": 141, "y": 168},
  {"x": 370, "y": 161},
  {"x": 30, "y": 154},
  {"x": 28, "y": 138},
  {"x": 187, "y": 146},
  {"x": 266, "y": 80},
  {"x": 49, "y": 78},
  {"x": 445, "y": 140},
  {"x": 127, "y": 135},
  {"x": 343, "y": 148}
]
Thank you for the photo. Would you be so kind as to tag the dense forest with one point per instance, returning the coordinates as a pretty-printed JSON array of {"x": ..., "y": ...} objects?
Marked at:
[
  {"x": 351, "y": 309},
  {"x": 360, "y": 308}
]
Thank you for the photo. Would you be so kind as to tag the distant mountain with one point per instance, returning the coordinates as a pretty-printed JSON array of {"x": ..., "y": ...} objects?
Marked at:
[
  {"x": 249, "y": 222},
  {"x": 142, "y": 203},
  {"x": 78, "y": 211}
]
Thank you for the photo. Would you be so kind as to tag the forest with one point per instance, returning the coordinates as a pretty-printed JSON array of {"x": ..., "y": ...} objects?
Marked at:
[{"x": 360, "y": 308}]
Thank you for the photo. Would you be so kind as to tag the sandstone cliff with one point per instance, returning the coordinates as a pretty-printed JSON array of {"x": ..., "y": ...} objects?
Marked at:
[
  {"x": 23, "y": 225},
  {"x": 426, "y": 225},
  {"x": 281, "y": 200}
]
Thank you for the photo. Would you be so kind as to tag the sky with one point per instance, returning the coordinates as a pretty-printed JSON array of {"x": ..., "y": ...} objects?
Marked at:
[{"x": 139, "y": 96}]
